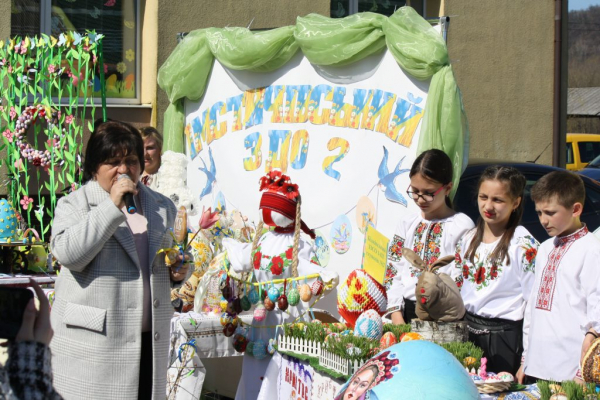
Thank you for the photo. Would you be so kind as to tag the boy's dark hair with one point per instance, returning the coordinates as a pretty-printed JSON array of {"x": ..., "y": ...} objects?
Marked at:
[
  {"x": 514, "y": 182},
  {"x": 111, "y": 139},
  {"x": 434, "y": 165},
  {"x": 567, "y": 187}
]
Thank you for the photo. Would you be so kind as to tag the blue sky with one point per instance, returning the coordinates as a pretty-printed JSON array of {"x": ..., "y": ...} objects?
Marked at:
[{"x": 582, "y": 4}]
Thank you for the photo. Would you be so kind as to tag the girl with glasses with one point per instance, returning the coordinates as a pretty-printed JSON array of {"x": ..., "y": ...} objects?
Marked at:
[{"x": 432, "y": 233}]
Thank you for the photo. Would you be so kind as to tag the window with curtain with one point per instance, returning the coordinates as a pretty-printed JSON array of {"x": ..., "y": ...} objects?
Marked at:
[{"x": 117, "y": 20}]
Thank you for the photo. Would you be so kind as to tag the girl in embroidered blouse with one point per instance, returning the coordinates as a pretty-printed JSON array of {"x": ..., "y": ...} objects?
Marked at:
[
  {"x": 432, "y": 233},
  {"x": 495, "y": 262}
]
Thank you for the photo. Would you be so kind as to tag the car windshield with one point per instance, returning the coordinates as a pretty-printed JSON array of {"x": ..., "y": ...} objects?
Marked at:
[{"x": 595, "y": 163}]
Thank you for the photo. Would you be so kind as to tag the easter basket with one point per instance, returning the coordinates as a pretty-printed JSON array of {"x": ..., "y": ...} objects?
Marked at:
[{"x": 492, "y": 387}]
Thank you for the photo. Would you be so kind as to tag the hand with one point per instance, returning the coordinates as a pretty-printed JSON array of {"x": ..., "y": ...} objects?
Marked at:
[
  {"x": 397, "y": 318},
  {"x": 179, "y": 270},
  {"x": 36, "y": 324},
  {"x": 119, "y": 188},
  {"x": 520, "y": 375}
]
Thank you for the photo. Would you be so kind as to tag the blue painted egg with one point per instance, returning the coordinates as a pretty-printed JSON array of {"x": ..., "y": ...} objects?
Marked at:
[
  {"x": 259, "y": 349},
  {"x": 369, "y": 325},
  {"x": 415, "y": 370},
  {"x": 8, "y": 221},
  {"x": 253, "y": 296},
  {"x": 273, "y": 294}
]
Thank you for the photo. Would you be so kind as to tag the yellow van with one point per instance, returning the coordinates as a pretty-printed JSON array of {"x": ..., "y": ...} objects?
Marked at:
[{"x": 581, "y": 149}]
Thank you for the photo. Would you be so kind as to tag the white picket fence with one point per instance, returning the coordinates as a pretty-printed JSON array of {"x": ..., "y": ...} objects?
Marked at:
[{"x": 314, "y": 349}]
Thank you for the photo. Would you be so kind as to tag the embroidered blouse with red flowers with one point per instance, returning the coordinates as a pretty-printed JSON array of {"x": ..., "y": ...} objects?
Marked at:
[
  {"x": 430, "y": 240},
  {"x": 563, "y": 305},
  {"x": 493, "y": 289}
]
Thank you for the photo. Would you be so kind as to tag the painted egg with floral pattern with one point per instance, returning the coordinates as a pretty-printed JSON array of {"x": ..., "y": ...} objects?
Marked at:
[
  {"x": 317, "y": 287},
  {"x": 506, "y": 376},
  {"x": 369, "y": 325},
  {"x": 273, "y": 294},
  {"x": 228, "y": 330},
  {"x": 405, "y": 337},
  {"x": 388, "y": 339},
  {"x": 305, "y": 293},
  {"x": 225, "y": 319},
  {"x": 293, "y": 297},
  {"x": 253, "y": 296},
  {"x": 240, "y": 343},
  {"x": 271, "y": 346},
  {"x": 8, "y": 221},
  {"x": 269, "y": 305},
  {"x": 249, "y": 348},
  {"x": 245, "y": 302},
  {"x": 282, "y": 302},
  {"x": 260, "y": 312}
]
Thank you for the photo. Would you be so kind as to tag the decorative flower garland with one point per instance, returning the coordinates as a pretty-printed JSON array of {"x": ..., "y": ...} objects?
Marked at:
[{"x": 39, "y": 158}]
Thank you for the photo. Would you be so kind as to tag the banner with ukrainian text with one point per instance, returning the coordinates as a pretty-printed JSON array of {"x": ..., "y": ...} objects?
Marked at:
[{"x": 346, "y": 135}]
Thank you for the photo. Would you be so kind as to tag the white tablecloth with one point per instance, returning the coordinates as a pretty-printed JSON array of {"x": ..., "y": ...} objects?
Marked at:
[{"x": 196, "y": 357}]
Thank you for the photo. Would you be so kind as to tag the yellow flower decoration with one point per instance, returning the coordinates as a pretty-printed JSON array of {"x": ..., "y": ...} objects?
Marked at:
[
  {"x": 27, "y": 42},
  {"x": 130, "y": 55},
  {"x": 121, "y": 67},
  {"x": 41, "y": 42},
  {"x": 53, "y": 41},
  {"x": 11, "y": 44},
  {"x": 1, "y": 43}
]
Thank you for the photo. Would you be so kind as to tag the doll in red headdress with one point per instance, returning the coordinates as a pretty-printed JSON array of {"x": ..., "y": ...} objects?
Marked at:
[{"x": 283, "y": 252}]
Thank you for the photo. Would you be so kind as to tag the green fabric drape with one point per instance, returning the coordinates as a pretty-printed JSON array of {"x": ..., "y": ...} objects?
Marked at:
[{"x": 416, "y": 46}]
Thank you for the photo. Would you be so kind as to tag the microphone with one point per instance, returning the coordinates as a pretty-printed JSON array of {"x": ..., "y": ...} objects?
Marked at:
[{"x": 128, "y": 198}]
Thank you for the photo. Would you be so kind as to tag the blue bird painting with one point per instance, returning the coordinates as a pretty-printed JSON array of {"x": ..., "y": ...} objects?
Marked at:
[
  {"x": 387, "y": 178},
  {"x": 211, "y": 174}
]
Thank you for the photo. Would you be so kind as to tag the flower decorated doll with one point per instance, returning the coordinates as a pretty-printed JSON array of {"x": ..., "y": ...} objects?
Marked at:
[{"x": 279, "y": 254}]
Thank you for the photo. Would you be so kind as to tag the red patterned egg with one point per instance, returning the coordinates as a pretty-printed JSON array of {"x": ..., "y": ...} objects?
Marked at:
[{"x": 317, "y": 287}]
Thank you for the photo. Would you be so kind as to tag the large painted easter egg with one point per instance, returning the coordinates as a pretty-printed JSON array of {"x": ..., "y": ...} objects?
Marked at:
[
  {"x": 415, "y": 370},
  {"x": 358, "y": 293},
  {"x": 8, "y": 221}
]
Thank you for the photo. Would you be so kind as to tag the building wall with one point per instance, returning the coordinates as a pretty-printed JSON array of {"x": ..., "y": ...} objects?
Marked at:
[
  {"x": 503, "y": 59},
  {"x": 205, "y": 13}
]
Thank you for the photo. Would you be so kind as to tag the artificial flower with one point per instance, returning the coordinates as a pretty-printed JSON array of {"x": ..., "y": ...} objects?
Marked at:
[
  {"x": 68, "y": 119},
  {"x": 25, "y": 202},
  {"x": 208, "y": 218},
  {"x": 13, "y": 113},
  {"x": 290, "y": 190},
  {"x": 9, "y": 136}
]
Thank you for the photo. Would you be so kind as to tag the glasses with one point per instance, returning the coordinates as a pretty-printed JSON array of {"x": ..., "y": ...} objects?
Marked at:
[{"x": 427, "y": 197}]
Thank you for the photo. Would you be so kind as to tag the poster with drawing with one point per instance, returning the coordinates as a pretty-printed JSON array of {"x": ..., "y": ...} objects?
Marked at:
[{"x": 295, "y": 379}]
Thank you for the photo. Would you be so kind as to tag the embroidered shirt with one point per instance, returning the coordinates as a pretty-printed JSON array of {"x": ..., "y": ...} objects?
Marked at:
[
  {"x": 563, "y": 305},
  {"x": 430, "y": 240},
  {"x": 493, "y": 289}
]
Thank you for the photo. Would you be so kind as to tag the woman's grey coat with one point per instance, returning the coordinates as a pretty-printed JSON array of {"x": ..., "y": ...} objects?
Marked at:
[{"x": 97, "y": 313}]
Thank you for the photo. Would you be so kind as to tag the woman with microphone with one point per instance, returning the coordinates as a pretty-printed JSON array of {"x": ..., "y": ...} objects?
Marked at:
[{"x": 112, "y": 307}]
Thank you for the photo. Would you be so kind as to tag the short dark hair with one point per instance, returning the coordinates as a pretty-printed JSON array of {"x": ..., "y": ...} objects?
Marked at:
[
  {"x": 567, "y": 187},
  {"x": 111, "y": 139}
]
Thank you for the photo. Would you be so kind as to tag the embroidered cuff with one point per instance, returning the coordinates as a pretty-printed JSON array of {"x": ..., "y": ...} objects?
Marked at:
[{"x": 578, "y": 374}]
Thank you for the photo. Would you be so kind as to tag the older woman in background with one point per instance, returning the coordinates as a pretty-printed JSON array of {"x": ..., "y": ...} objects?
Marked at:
[
  {"x": 153, "y": 143},
  {"x": 112, "y": 309}
]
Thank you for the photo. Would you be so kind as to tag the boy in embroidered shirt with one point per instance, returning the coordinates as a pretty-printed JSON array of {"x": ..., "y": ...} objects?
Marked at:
[{"x": 567, "y": 281}]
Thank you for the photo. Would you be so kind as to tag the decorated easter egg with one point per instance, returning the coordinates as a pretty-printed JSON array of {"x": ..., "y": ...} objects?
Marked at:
[
  {"x": 273, "y": 294},
  {"x": 269, "y": 305},
  {"x": 260, "y": 312},
  {"x": 317, "y": 287},
  {"x": 225, "y": 319},
  {"x": 253, "y": 296},
  {"x": 231, "y": 307},
  {"x": 305, "y": 293},
  {"x": 413, "y": 370},
  {"x": 249, "y": 348},
  {"x": 476, "y": 378},
  {"x": 271, "y": 346},
  {"x": 228, "y": 330},
  {"x": 240, "y": 343},
  {"x": 235, "y": 321},
  {"x": 346, "y": 332},
  {"x": 369, "y": 325},
  {"x": 293, "y": 296},
  {"x": 282, "y": 302},
  {"x": 469, "y": 362},
  {"x": 408, "y": 336},
  {"x": 388, "y": 339},
  {"x": 259, "y": 350},
  {"x": 506, "y": 376},
  {"x": 8, "y": 221},
  {"x": 358, "y": 293},
  {"x": 245, "y": 303},
  {"x": 237, "y": 305}
]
